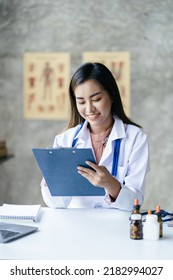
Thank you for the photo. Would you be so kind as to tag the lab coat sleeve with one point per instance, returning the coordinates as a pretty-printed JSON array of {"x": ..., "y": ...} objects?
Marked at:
[
  {"x": 124, "y": 201},
  {"x": 133, "y": 182}
]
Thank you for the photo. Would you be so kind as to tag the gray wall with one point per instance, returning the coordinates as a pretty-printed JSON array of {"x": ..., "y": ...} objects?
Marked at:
[{"x": 143, "y": 28}]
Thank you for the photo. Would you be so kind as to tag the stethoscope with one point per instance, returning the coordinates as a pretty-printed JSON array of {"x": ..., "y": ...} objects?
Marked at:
[
  {"x": 162, "y": 213},
  {"x": 117, "y": 143}
]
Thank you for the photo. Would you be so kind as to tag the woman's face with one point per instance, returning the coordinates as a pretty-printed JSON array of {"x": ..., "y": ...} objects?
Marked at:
[{"x": 94, "y": 104}]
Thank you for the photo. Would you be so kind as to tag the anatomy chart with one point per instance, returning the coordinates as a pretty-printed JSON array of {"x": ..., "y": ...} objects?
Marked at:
[{"x": 46, "y": 81}]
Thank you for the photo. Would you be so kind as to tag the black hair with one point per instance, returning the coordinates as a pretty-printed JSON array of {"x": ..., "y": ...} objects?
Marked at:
[{"x": 99, "y": 72}]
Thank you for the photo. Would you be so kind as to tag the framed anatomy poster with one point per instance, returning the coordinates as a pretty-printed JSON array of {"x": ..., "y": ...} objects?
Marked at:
[
  {"x": 46, "y": 81},
  {"x": 119, "y": 64}
]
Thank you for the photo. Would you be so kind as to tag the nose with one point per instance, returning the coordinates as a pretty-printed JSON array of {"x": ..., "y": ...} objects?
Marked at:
[{"x": 90, "y": 108}]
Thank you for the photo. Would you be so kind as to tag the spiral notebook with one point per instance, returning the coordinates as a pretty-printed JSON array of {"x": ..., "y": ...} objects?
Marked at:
[{"x": 19, "y": 212}]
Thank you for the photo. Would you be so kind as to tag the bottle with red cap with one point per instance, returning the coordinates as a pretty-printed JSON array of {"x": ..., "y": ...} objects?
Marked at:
[
  {"x": 136, "y": 222},
  {"x": 136, "y": 207}
]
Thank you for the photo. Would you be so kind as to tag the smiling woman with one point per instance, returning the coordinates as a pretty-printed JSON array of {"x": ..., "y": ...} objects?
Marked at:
[
  {"x": 94, "y": 104},
  {"x": 120, "y": 146}
]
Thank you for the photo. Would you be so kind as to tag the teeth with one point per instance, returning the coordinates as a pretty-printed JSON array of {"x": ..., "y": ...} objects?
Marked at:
[{"x": 92, "y": 117}]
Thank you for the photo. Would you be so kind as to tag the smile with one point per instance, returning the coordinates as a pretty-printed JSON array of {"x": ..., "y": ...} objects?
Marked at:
[{"x": 92, "y": 116}]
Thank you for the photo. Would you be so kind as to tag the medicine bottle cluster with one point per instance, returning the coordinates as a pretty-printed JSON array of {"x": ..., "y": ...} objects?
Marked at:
[{"x": 151, "y": 229}]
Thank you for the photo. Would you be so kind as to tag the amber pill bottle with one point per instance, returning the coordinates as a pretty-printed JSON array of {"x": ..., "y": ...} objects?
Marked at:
[{"x": 136, "y": 227}]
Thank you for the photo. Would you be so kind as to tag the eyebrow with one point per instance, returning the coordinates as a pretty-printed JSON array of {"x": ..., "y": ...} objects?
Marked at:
[{"x": 92, "y": 95}]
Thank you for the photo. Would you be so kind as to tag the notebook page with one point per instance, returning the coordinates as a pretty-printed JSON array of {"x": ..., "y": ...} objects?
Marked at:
[{"x": 13, "y": 211}]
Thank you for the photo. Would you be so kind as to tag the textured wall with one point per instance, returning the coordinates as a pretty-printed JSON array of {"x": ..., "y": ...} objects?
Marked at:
[{"x": 143, "y": 28}]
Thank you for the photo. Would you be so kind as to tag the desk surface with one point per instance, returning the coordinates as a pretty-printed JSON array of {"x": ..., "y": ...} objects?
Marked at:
[{"x": 86, "y": 234}]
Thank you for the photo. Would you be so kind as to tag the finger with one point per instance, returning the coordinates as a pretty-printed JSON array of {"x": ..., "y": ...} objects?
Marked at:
[
  {"x": 83, "y": 173},
  {"x": 86, "y": 175},
  {"x": 98, "y": 168},
  {"x": 93, "y": 165},
  {"x": 85, "y": 170}
]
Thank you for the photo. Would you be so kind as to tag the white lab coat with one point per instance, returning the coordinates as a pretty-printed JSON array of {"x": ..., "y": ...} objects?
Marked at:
[{"x": 133, "y": 165}]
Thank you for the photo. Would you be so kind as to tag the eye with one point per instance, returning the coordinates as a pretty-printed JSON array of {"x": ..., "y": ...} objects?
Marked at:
[
  {"x": 81, "y": 102},
  {"x": 96, "y": 100}
]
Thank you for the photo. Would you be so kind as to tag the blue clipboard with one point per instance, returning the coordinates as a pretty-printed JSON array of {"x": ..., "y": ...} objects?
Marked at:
[{"x": 59, "y": 169}]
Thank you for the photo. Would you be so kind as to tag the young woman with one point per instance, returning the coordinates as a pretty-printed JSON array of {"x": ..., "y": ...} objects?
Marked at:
[{"x": 120, "y": 146}]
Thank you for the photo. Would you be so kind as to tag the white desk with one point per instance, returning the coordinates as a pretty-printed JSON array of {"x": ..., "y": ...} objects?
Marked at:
[{"x": 86, "y": 234}]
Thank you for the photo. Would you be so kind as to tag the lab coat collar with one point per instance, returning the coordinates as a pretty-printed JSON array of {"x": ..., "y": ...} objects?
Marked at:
[
  {"x": 118, "y": 131},
  {"x": 83, "y": 132}
]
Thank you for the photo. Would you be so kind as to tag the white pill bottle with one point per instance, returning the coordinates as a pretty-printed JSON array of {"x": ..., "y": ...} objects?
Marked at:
[{"x": 151, "y": 227}]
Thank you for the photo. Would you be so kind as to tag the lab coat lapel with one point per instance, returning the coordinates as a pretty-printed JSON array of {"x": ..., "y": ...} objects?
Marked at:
[
  {"x": 107, "y": 153},
  {"x": 118, "y": 132},
  {"x": 84, "y": 139}
]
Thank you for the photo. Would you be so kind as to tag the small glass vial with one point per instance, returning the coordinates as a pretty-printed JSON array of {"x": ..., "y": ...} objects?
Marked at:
[
  {"x": 158, "y": 213},
  {"x": 151, "y": 227},
  {"x": 136, "y": 226}
]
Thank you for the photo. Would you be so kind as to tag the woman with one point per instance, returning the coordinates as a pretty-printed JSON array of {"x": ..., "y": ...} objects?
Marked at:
[{"x": 98, "y": 121}]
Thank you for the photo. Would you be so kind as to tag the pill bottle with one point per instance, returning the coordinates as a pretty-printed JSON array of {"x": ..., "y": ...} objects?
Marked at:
[
  {"x": 136, "y": 207},
  {"x": 158, "y": 213},
  {"x": 151, "y": 227},
  {"x": 136, "y": 226}
]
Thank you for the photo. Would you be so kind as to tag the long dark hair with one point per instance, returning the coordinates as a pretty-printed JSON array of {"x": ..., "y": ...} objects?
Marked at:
[{"x": 100, "y": 73}]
